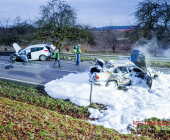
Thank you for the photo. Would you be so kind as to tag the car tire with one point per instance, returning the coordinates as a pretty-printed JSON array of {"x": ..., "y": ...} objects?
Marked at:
[
  {"x": 13, "y": 57},
  {"x": 43, "y": 58},
  {"x": 112, "y": 84},
  {"x": 155, "y": 77}
]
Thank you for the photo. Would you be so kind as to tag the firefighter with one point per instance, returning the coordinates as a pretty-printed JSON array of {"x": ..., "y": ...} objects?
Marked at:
[
  {"x": 74, "y": 50},
  {"x": 57, "y": 57},
  {"x": 78, "y": 52}
]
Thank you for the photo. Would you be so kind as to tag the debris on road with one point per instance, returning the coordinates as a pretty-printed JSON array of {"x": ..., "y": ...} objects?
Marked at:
[{"x": 9, "y": 66}]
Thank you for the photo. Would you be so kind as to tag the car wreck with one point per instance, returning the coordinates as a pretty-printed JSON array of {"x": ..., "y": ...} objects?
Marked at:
[
  {"x": 119, "y": 73},
  {"x": 33, "y": 52}
]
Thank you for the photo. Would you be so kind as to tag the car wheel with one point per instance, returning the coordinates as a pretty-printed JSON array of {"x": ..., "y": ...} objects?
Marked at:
[
  {"x": 112, "y": 84},
  {"x": 155, "y": 77},
  {"x": 13, "y": 57},
  {"x": 43, "y": 58}
]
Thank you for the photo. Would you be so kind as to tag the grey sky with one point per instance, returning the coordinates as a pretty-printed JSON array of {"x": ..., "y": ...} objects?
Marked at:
[{"x": 96, "y": 13}]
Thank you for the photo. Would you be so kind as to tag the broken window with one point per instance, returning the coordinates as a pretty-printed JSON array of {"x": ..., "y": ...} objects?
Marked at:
[{"x": 120, "y": 69}]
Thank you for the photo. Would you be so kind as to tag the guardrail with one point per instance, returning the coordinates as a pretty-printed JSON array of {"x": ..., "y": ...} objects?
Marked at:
[
  {"x": 6, "y": 53},
  {"x": 159, "y": 59}
]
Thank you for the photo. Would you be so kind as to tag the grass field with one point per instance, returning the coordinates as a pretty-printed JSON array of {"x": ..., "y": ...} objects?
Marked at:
[
  {"x": 159, "y": 64},
  {"x": 150, "y": 63},
  {"x": 27, "y": 113}
]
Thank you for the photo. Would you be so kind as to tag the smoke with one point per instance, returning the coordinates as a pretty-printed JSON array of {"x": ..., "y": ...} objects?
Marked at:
[
  {"x": 147, "y": 47},
  {"x": 150, "y": 48},
  {"x": 166, "y": 53}
]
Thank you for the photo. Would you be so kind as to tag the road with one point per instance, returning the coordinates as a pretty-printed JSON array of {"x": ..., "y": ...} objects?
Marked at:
[
  {"x": 39, "y": 72},
  {"x": 42, "y": 72}
]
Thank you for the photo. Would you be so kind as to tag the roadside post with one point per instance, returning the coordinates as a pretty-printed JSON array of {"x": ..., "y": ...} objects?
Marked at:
[{"x": 91, "y": 92}]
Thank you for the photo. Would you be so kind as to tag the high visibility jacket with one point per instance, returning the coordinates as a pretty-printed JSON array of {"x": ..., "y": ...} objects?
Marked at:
[
  {"x": 75, "y": 49},
  {"x": 56, "y": 54},
  {"x": 78, "y": 50}
]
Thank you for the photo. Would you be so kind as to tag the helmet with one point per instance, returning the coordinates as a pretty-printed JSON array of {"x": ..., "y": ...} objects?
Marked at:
[{"x": 78, "y": 45}]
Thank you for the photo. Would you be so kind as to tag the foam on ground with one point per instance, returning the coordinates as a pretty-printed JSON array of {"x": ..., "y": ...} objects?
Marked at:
[{"x": 124, "y": 107}]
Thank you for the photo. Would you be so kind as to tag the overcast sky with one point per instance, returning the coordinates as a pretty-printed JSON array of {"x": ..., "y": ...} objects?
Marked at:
[{"x": 96, "y": 13}]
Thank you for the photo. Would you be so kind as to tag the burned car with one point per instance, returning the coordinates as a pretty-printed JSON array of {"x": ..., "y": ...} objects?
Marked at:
[{"x": 119, "y": 73}]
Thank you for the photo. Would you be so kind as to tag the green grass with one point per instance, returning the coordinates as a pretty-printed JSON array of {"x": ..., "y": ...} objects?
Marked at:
[
  {"x": 23, "y": 121},
  {"x": 155, "y": 127},
  {"x": 150, "y": 63},
  {"x": 29, "y": 109},
  {"x": 71, "y": 58},
  {"x": 33, "y": 96},
  {"x": 159, "y": 64},
  {"x": 40, "y": 98}
]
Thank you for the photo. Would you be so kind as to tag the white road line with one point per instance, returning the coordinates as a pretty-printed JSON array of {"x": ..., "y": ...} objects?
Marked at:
[
  {"x": 21, "y": 81},
  {"x": 43, "y": 68}
]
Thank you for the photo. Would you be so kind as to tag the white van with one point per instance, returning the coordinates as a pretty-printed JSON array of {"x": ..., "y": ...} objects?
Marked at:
[{"x": 33, "y": 52}]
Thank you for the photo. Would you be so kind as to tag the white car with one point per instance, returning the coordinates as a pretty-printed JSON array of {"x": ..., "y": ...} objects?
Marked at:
[{"x": 33, "y": 52}]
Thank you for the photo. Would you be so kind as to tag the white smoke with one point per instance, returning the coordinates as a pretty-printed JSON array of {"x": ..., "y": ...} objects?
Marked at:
[
  {"x": 147, "y": 47},
  {"x": 166, "y": 53}
]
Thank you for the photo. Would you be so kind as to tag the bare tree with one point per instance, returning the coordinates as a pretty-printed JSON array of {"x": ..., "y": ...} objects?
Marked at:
[
  {"x": 6, "y": 35},
  {"x": 109, "y": 39},
  {"x": 153, "y": 18},
  {"x": 15, "y": 30}
]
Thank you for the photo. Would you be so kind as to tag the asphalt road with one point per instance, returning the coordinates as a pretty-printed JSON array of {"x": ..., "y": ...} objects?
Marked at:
[{"x": 42, "y": 72}]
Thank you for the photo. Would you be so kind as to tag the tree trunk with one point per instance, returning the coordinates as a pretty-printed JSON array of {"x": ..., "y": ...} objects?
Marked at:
[{"x": 113, "y": 48}]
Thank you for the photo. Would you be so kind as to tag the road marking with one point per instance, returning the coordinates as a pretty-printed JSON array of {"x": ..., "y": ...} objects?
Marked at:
[
  {"x": 21, "y": 81},
  {"x": 43, "y": 68}
]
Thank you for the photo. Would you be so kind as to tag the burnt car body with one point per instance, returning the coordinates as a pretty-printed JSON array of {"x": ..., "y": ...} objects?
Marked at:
[{"x": 119, "y": 73}]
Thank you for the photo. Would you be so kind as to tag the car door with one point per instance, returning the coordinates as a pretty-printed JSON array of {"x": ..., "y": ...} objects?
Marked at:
[
  {"x": 146, "y": 75},
  {"x": 36, "y": 52},
  {"x": 34, "y": 55},
  {"x": 40, "y": 51}
]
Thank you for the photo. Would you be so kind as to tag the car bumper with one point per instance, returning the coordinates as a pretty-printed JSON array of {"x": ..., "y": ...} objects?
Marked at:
[{"x": 125, "y": 84}]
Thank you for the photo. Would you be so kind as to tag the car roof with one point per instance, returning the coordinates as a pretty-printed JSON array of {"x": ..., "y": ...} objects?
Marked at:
[
  {"x": 124, "y": 62},
  {"x": 36, "y": 45},
  {"x": 33, "y": 46}
]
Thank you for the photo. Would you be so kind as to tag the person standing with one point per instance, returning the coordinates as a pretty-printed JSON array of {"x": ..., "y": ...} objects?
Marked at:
[
  {"x": 57, "y": 57},
  {"x": 78, "y": 52},
  {"x": 74, "y": 50}
]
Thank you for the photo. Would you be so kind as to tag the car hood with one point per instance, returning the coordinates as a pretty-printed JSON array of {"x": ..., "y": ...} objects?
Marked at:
[
  {"x": 138, "y": 58},
  {"x": 16, "y": 47}
]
